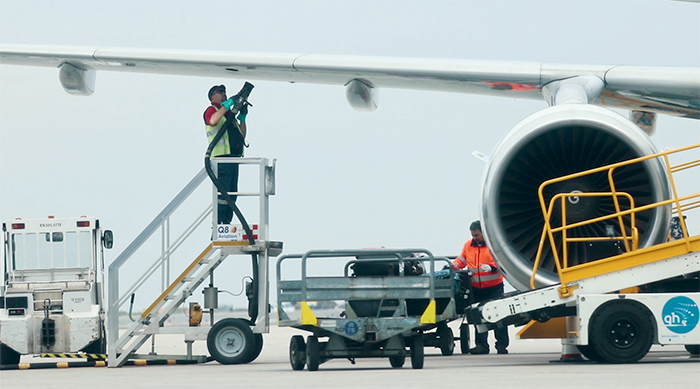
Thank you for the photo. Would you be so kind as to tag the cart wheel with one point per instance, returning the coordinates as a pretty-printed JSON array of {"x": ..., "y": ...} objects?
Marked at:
[
  {"x": 231, "y": 342},
  {"x": 313, "y": 353},
  {"x": 397, "y": 361},
  {"x": 417, "y": 352},
  {"x": 621, "y": 331},
  {"x": 297, "y": 352},
  {"x": 446, "y": 339},
  {"x": 258, "y": 338},
  {"x": 464, "y": 338}
]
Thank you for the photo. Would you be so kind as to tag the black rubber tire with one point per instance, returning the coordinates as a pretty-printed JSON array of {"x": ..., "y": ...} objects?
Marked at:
[
  {"x": 297, "y": 352},
  {"x": 397, "y": 361},
  {"x": 231, "y": 342},
  {"x": 464, "y": 338},
  {"x": 313, "y": 353},
  {"x": 693, "y": 349},
  {"x": 589, "y": 352},
  {"x": 417, "y": 352},
  {"x": 446, "y": 339},
  {"x": 257, "y": 349},
  {"x": 8, "y": 356},
  {"x": 621, "y": 331}
]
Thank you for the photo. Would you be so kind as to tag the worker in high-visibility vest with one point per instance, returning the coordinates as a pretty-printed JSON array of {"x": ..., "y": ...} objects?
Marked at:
[
  {"x": 216, "y": 116},
  {"x": 487, "y": 284}
]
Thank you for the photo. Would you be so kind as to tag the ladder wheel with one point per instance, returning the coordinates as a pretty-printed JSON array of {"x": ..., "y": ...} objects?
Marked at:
[
  {"x": 231, "y": 342},
  {"x": 258, "y": 338},
  {"x": 446, "y": 339},
  {"x": 620, "y": 331},
  {"x": 313, "y": 353},
  {"x": 464, "y": 338},
  {"x": 297, "y": 352},
  {"x": 417, "y": 352}
]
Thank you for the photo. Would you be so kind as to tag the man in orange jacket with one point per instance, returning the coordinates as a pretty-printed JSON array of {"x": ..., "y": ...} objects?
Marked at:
[{"x": 487, "y": 284}]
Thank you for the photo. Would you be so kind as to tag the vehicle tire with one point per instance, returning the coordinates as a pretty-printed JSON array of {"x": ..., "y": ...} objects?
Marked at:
[
  {"x": 397, "y": 361},
  {"x": 589, "y": 352},
  {"x": 231, "y": 342},
  {"x": 621, "y": 331},
  {"x": 8, "y": 356},
  {"x": 313, "y": 353},
  {"x": 464, "y": 338},
  {"x": 297, "y": 352},
  {"x": 446, "y": 339},
  {"x": 258, "y": 338},
  {"x": 693, "y": 349},
  {"x": 417, "y": 352}
]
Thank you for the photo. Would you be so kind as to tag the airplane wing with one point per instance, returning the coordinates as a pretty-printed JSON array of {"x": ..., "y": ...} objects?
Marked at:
[{"x": 665, "y": 90}]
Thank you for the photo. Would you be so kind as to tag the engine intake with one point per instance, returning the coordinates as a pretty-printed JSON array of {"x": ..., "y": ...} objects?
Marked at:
[{"x": 551, "y": 143}]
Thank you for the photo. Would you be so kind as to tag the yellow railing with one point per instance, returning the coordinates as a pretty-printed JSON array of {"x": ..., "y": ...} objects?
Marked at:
[{"x": 631, "y": 240}]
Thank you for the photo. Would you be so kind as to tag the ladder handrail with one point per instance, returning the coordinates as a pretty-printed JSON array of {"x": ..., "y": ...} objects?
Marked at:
[{"x": 675, "y": 202}]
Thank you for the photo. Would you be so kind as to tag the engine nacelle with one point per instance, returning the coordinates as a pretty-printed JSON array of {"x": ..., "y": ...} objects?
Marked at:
[{"x": 551, "y": 143}]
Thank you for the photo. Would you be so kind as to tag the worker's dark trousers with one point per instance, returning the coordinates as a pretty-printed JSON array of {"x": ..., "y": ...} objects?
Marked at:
[
  {"x": 228, "y": 176},
  {"x": 485, "y": 294}
]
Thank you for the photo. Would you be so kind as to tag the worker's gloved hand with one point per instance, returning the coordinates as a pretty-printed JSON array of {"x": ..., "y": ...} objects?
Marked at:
[
  {"x": 485, "y": 268},
  {"x": 243, "y": 113},
  {"x": 227, "y": 104}
]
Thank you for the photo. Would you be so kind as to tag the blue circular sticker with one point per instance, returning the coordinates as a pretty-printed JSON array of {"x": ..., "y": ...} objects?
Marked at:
[
  {"x": 351, "y": 328},
  {"x": 680, "y": 315}
]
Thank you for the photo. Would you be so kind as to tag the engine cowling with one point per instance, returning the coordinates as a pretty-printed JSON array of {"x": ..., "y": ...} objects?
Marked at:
[{"x": 551, "y": 143}]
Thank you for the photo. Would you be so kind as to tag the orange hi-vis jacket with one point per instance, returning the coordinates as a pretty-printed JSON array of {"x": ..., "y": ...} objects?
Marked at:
[{"x": 472, "y": 257}]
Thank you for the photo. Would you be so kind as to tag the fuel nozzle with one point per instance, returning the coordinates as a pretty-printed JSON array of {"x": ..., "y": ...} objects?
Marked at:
[{"x": 241, "y": 98}]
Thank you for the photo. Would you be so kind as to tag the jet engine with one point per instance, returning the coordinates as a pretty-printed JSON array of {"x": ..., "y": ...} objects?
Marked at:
[{"x": 551, "y": 143}]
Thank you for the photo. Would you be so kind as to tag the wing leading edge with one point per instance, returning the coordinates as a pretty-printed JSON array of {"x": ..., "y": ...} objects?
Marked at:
[{"x": 666, "y": 90}]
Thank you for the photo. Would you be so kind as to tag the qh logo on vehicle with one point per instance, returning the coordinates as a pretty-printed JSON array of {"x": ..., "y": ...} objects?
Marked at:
[{"x": 680, "y": 315}]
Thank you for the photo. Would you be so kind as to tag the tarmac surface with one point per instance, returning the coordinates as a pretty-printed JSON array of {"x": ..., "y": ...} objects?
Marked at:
[{"x": 530, "y": 364}]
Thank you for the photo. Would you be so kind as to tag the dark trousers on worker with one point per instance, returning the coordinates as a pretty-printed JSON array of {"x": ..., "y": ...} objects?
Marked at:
[
  {"x": 228, "y": 177},
  {"x": 484, "y": 294}
]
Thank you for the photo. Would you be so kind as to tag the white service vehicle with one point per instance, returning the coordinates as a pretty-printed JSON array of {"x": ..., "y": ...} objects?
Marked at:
[{"x": 51, "y": 299}]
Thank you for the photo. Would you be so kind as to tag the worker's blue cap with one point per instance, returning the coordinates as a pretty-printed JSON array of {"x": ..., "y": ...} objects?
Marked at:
[{"x": 216, "y": 89}]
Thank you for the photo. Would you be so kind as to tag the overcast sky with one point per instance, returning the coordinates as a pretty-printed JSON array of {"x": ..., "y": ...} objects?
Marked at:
[{"x": 401, "y": 176}]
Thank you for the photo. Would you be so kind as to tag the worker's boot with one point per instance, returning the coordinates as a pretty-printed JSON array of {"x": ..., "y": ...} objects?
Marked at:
[{"x": 479, "y": 349}]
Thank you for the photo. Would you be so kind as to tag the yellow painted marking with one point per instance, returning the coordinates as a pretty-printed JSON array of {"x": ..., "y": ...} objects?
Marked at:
[
  {"x": 24, "y": 366},
  {"x": 428, "y": 316},
  {"x": 100, "y": 363},
  {"x": 140, "y": 362},
  {"x": 62, "y": 365},
  {"x": 172, "y": 362},
  {"x": 307, "y": 316},
  {"x": 232, "y": 243},
  {"x": 177, "y": 281}
]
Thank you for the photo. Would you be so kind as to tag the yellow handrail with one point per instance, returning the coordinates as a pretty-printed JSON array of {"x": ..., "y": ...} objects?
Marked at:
[{"x": 679, "y": 205}]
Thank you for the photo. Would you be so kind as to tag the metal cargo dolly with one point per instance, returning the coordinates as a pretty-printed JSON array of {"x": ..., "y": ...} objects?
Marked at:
[{"x": 383, "y": 315}]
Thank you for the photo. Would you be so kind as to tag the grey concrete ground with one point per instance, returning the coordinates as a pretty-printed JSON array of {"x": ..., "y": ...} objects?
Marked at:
[{"x": 528, "y": 366}]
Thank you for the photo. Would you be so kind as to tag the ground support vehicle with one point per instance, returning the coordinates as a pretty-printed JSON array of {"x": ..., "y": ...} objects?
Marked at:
[
  {"x": 52, "y": 294},
  {"x": 615, "y": 308},
  {"x": 380, "y": 315}
]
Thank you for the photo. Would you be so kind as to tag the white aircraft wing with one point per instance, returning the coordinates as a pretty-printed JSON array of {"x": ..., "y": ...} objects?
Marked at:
[{"x": 666, "y": 90}]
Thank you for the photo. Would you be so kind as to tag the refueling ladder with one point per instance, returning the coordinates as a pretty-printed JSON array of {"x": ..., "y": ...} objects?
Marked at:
[{"x": 150, "y": 322}]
